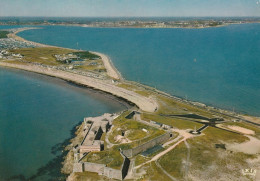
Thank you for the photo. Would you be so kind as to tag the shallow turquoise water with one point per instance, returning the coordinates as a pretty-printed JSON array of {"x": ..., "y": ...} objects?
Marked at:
[
  {"x": 217, "y": 66},
  {"x": 36, "y": 114}
]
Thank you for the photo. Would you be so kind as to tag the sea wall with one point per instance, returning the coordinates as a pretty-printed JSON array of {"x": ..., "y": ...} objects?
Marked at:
[{"x": 141, "y": 148}]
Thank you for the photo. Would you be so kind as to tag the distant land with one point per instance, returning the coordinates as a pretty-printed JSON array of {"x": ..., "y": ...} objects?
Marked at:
[{"x": 134, "y": 22}]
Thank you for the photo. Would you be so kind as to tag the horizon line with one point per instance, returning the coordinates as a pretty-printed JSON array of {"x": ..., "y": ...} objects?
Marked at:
[{"x": 130, "y": 16}]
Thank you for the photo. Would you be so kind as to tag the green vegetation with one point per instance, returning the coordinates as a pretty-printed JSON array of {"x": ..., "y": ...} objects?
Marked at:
[
  {"x": 203, "y": 154},
  {"x": 227, "y": 162},
  {"x": 214, "y": 135},
  {"x": 175, "y": 122},
  {"x": 89, "y": 176},
  {"x": 212, "y": 157},
  {"x": 45, "y": 55},
  {"x": 42, "y": 55},
  {"x": 139, "y": 159},
  {"x": 112, "y": 158},
  {"x": 86, "y": 55},
  {"x": 133, "y": 131},
  {"x": 154, "y": 173},
  {"x": 127, "y": 86},
  {"x": 3, "y": 34},
  {"x": 139, "y": 142},
  {"x": 172, "y": 106},
  {"x": 215, "y": 23},
  {"x": 175, "y": 159}
]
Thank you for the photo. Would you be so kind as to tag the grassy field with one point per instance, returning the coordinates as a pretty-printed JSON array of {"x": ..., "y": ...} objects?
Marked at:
[
  {"x": 42, "y": 55},
  {"x": 112, "y": 158},
  {"x": 215, "y": 135},
  {"x": 3, "y": 34},
  {"x": 153, "y": 173},
  {"x": 175, "y": 122},
  {"x": 175, "y": 159},
  {"x": 45, "y": 55},
  {"x": 127, "y": 86},
  {"x": 133, "y": 132},
  {"x": 139, "y": 159},
  {"x": 204, "y": 155},
  {"x": 88, "y": 176},
  {"x": 228, "y": 163}
]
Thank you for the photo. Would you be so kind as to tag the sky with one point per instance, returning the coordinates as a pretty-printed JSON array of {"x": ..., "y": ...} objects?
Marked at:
[{"x": 129, "y": 8}]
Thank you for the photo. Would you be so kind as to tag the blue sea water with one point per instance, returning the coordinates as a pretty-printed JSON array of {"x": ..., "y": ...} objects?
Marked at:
[
  {"x": 217, "y": 66},
  {"x": 37, "y": 113}
]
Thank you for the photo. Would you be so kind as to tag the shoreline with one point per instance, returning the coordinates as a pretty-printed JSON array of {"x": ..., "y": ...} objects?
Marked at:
[
  {"x": 147, "y": 103},
  {"x": 144, "y": 103},
  {"x": 139, "y": 27},
  {"x": 111, "y": 70},
  {"x": 85, "y": 89},
  {"x": 117, "y": 75}
]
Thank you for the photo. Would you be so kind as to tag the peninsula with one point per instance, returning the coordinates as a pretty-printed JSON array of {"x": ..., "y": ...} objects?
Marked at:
[
  {"x": 162, "y": 137},
  {"x": 132, "y": 22}
]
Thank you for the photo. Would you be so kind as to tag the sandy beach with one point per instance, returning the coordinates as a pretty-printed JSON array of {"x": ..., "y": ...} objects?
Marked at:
[
  {"x": 111, "y": 70},
  {"x": 18, "y": 38},
  {"x": 144, "y": 103}
]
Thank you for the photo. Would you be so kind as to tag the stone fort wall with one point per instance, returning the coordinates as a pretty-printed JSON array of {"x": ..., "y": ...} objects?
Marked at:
[
  {"x": 141, "y": 148},
  {"x": 102, "y": 169}
]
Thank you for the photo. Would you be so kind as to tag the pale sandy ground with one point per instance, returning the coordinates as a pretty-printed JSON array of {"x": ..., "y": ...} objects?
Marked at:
[
  {"x": 111, "y": 70},
  {"x": 255, "y": 164},
  {"x": 18, "y": 38},
  {"x": 144, "y": 103},
  {"x": 242, "y": 130},
  {"x": 250, "y": 147},
  {"x": 253, "y": 119}
]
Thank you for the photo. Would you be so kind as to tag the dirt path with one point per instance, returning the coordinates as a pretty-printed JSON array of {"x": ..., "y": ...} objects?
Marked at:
[
  {"x": 172, "y": 141},
  {"x": 185, "y": 136},
  {"x": 188, "y": 160},
  {"x": 164, "y": 171}
]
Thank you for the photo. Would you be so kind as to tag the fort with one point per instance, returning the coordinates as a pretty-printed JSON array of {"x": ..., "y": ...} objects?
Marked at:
[
  {"x": 102, "y": 169},
  {"x": 94, "y": 127},
  {"x": 141, "y": 148},
  {"x": 160, "y": 115}
]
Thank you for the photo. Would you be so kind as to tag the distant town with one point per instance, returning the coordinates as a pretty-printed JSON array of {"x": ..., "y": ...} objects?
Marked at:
[{"x": 166, "y": 22}]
